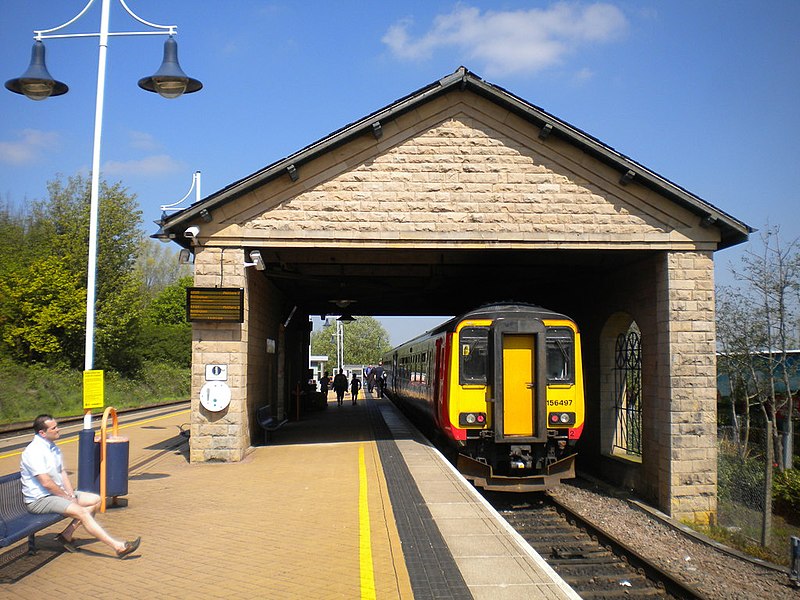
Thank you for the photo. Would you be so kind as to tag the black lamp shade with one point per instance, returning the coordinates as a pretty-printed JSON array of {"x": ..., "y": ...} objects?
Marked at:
[
  {"x": 36, "y": 83},
  {"x": 170, "y": 81}
]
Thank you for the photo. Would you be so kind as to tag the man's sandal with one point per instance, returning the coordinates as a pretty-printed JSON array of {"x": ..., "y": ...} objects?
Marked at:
[{"x": 129, "y": 548}]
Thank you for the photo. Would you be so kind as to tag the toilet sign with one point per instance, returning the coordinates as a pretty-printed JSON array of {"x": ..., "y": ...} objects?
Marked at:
[{"x": 216, "y": 372}]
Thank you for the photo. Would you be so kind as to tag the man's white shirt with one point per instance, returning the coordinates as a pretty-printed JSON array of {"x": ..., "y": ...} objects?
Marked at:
[{"x": 40, "y": 457}]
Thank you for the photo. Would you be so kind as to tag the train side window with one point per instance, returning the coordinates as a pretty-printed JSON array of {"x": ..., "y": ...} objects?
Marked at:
[
  {"x": 560, "y": 355},
  {"x": 473, "y": 350}
]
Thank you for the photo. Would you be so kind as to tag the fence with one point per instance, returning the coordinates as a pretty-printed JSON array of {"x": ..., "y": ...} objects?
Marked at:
[{"x": 741, "y": 495}]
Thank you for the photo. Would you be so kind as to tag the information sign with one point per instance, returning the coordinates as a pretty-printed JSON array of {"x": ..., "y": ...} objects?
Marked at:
[
  {"x": 222, "y": 305},
  {"x": 93, "y": 392}
]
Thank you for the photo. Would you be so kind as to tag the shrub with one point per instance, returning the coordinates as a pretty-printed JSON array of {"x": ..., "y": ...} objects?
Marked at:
[{"x": 786, "y": 493}]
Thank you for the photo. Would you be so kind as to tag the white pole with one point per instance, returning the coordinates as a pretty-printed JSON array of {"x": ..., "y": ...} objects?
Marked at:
[
  {"x": 94, "y": 205},
  {"x": 91, "y": 282}
]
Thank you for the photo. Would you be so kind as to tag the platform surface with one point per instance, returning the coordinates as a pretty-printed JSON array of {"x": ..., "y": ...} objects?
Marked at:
[{"x": 348, "y": 502}]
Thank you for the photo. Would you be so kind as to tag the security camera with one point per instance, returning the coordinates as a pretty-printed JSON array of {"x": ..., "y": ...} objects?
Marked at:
[
  {"x": 191, "y": 232},
  {"x": 258, "y": 261}
]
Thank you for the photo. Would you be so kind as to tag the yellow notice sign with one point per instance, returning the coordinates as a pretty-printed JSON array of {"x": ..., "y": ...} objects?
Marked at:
[{"x": 93, "y": 389}]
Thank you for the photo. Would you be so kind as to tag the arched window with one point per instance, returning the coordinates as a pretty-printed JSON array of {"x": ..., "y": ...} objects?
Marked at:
[{"x": 628, "y": 393}]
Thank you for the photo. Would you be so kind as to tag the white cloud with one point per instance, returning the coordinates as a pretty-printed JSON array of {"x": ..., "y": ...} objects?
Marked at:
[
  {"x": 31, "y": 145},
  {"x": 522, "y": 41},
  {"x": 141, "y": 140},
  {"x": 160, "y": 164}
]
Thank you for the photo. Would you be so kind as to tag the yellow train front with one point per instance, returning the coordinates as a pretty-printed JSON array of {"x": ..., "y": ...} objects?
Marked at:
[{"x": 503, "y": 385}]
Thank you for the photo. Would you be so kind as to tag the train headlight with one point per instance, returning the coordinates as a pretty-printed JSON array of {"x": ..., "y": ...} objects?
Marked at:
[
  {"x": 561, "y": 418},
  {"x": 471, "y": 419}
]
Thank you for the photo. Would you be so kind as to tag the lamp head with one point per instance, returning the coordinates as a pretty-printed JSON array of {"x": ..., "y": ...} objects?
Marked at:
[
  {"x": 36, "y": 83},
  {"x": 170, "y": 81}
]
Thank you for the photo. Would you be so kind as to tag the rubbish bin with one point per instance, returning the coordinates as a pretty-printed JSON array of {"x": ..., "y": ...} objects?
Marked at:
[{"x": 89, "y": 454}]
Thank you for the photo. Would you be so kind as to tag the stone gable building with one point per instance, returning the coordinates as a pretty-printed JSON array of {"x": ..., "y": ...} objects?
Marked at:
[{"x": 459, "y": 194}]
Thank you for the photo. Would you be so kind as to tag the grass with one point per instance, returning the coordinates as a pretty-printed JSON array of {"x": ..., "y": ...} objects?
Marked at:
[
  {"x": 27, "y": 391},
  {"x": 740, "y": 528}
]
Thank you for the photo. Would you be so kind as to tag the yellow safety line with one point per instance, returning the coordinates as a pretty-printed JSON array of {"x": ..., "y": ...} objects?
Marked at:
[
  {"x": 365, "y": 538},
  {"x": 75, "y": 439}
]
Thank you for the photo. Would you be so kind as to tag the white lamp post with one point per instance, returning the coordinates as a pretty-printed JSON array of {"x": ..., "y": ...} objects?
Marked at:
[{"x": 37, "y": 84}]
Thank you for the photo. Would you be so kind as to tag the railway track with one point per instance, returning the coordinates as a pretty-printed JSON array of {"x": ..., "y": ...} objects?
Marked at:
[{"x": 592, "y": 562}]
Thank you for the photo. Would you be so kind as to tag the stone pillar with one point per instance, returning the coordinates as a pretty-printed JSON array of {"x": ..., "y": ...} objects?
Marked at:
[
  {"x": 687, "y": 453},
  {"x": 223, "y": 435}
]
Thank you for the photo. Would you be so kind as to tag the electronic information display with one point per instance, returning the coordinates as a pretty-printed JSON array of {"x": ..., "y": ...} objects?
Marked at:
[{"x": 222, "y": 305}]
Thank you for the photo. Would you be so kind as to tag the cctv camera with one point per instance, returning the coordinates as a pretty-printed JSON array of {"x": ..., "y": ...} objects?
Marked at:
[
  {"x": 191, "y": 232},
  {"x": 258, "y": 261}
]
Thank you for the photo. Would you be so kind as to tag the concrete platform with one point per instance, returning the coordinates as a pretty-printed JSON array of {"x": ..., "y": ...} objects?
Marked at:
[{"x": 349, "y": 502}]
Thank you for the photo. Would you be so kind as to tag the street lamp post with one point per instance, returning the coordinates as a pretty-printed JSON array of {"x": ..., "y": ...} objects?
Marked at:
[{"x": 37, "y": 84}]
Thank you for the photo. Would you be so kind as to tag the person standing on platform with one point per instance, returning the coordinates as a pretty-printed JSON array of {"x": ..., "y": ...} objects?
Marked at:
[
  {"x": 340, "y": 386},
  {"x": 355, "y": 385},
  {"x": 380, "y": 378},
  {"x": 368, "y": 377},
  {"x": 323, "y": 385},
  {"x": 46, "y": 489}
]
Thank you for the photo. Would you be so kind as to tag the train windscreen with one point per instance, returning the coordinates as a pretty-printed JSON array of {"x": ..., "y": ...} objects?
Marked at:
[
  {"x": 560, "y": 353},
  {"x": 473, "y": 350}
]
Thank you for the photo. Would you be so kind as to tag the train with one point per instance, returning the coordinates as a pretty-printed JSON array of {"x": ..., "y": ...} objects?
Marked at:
[{"x": 502, "y": 386}]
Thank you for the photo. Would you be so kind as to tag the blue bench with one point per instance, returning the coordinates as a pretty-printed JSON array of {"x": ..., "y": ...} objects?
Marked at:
[
  {"x": 15, "y": 520},
  {"x": 267, "y": 422}
]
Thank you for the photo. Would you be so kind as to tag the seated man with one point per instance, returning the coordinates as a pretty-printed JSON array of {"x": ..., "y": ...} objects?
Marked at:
[{"x": 46, "y": 489}]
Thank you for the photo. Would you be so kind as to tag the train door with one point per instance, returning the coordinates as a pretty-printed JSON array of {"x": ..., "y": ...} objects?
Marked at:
[{"x": 519, "y": 380}]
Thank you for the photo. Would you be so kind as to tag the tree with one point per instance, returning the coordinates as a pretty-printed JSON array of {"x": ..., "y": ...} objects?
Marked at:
[
  {"x": 165, "y": 333},
  {"x": 365, "y": 342},
  {"x": 57, "y": 230},
  {"x": 756, "y": 328},
  {"x": 157, "y": 267}
]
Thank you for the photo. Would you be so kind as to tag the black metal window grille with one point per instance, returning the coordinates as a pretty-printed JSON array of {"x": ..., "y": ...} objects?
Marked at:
[{"x": 628, "y": 400}]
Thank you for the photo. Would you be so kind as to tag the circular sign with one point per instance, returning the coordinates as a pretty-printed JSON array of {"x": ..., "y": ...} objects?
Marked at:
[{"x": 215, "y": 396}]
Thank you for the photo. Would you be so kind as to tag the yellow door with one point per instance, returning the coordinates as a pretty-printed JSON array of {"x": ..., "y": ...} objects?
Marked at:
[{"x": 519, "y": 387}]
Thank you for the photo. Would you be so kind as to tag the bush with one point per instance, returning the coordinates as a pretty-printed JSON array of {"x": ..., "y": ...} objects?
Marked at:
[{"x": 786, "y": 493}]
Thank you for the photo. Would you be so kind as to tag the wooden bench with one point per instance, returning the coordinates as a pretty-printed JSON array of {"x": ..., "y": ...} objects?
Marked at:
[
  {"x": 15, "y": 520},
  {"x": 267, "y": 422}
]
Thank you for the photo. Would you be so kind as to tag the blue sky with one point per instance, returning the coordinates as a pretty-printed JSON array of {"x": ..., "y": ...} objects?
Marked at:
[{"x": 705, "y": 93}]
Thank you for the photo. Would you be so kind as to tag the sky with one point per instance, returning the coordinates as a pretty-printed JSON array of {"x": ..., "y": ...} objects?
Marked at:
[{"x": 704, "y": 93}]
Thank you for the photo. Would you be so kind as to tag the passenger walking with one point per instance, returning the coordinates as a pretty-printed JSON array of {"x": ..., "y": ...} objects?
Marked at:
[
  {"x": 46, "y": 489},
  {"x": 355, "y": 385},
  {"x": 340, "y": 386}
]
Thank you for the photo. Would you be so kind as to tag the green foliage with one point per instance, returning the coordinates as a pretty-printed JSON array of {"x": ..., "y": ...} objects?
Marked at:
[
  {"x": 169, "y": 306},
  {"x": 786, "y": 492},
  {"x": 365, "y": 342},
  {"x": 42, "y": 312},
  {"x": 29, "y": 390}
]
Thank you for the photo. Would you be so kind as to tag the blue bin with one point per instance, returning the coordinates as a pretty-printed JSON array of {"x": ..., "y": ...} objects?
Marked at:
[{"x": 118, "y": 450}]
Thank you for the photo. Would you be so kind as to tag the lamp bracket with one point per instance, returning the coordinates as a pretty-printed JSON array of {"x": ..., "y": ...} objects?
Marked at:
[{"x": 43, "y": 34}]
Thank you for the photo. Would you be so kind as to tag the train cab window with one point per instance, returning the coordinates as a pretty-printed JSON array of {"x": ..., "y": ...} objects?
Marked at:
[
  {"x": 560, "y": 355},
  {"x": 473, "y": 350}
]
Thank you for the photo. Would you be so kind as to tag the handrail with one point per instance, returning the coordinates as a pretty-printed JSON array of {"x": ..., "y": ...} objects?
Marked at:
[{"x": 103, "y": 439}]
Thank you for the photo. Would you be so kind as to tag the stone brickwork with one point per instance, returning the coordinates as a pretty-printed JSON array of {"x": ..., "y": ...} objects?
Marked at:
[
  {"x": 470, "y": 179},
  {"x": 687, "y": 318},
  {"x": 462, "y": 172},
  {"x": 219, "y": 436}
]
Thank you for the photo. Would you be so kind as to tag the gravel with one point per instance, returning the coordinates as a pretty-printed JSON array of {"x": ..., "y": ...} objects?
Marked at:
[{"x": 716, "y": 574}]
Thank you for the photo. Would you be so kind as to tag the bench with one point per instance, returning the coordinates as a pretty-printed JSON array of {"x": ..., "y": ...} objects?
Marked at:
[
  {"x": 16, "y": 522},
  {"x": 267, "y": 422}
]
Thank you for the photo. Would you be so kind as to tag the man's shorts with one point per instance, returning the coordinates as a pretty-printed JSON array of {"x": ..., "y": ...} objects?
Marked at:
[{"x": 50, "y": 504}]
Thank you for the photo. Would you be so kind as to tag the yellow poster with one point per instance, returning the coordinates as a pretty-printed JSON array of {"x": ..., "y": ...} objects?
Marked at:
[{"x": 93, "y": 389}]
